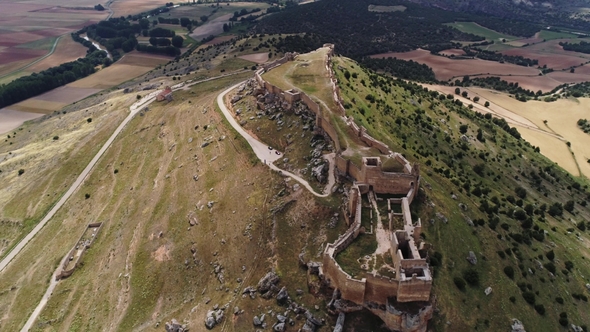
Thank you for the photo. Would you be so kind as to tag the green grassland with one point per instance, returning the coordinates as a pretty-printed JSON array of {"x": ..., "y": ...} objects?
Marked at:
[
  {"x": 426, "y": 130},
  {"x": 476, "y": 29},
  {"x": 549, "y": 35}
]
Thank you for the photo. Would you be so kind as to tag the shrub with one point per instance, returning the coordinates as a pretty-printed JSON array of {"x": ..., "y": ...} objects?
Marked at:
[
  {"x": 509, "y": 271},
  {"x": 21, "y": 172},
  {"x": 512, "y": 299},
  {"x": 550, "y": 255},
  {"x": 501, "y": 254},
  {"x": 559, "y": 300},
  {"x": 529, "y": 297},
  {"x": 540, "y": 309},
  {"x": 116, "y": 171},
  {"x": 459, "y": 282},
  {"x": 563, "y": 321},
  {"x": 550, "y": 267},
  {"x": 89, "y": 120},
  {"x": 487, "y": 104},
  {"x": 87, "y": 195},
  {"x": 471, "y": 276},
  {"x": 138, "y": 97},
  {"x": 463, "y": 129},
  {"x": 55, "y": 138},
  {"x": 569, "y": 265}
]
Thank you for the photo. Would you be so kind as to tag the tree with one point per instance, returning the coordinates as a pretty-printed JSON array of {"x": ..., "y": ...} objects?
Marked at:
[
  {"x": 556, "y": 209},
  {"x": 204, "y": 18},
  {"x": 225, "y": 27},
  {"x": 21, "y": 172},
  {"x": 154, "y": 41},
  {"x": 463, "y": 129},
  {"x": 476, "y": 99},
  {"x": 457, "y": 91},
  {"x": 569, "y": 206},
  {"x": 184, "y": 21},
  {"x": 144, "y": 23},
  {"x": 99, "y": 7},
  {"x": 464, "y": 94},
  {"x": 550, "y": 255},
  {"x": 177, "y": 41},
  {"x": 487, "y": 104}
]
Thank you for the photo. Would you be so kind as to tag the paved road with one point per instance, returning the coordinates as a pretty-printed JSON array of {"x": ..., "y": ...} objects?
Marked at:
[{"x": 261, "y": 150}]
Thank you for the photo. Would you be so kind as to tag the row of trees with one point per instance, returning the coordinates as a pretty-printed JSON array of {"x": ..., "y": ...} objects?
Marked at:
[
  {"x": 499, "y": 57},
  {"x": 29, "y": 86},
  {"x": 582, "y": 47}
]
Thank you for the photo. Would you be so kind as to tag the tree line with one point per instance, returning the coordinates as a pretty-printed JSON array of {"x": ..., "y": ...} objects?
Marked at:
[
  {"x": 37, "y": 83},
  {"x": 582, "y": 47}
]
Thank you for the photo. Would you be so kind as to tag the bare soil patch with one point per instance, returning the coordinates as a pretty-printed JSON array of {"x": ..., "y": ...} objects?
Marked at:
[
  {"x": 214, "y": 27},
  {"x": 256, "y": 57},
  {"x": 111, "y": 76},
  {"x": 66, "y": 94},
  {"x": 551, "y": 54},
  {"x": 13, "y": 54},
  {"x": 452, "y": 51},
  {"x": 143, "y": 59},
  {"x": 130, "y": 7},
  {"x": 219, "y": 40},
  {"x": 10, "y": 119},
  {"x": 66, "y": 50}
]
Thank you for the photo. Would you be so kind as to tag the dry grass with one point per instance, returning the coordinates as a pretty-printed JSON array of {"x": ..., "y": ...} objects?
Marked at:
[
  {"x": 562, "y": 116},
  {"x": 307, "y": 73}
]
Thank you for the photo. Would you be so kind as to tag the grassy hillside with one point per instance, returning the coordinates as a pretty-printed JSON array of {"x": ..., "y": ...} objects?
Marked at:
[{"x": 484, "y": 190}]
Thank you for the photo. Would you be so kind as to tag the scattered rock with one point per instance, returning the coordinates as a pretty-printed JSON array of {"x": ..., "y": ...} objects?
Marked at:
[
  {"x": 453, "y": 196},
  {"x": 442, "y": 217},
  {"x": 576, "y": 328},
  {"x": 282, "y": 296},
  {"x": 213, "y": 318},
  {"x": 517, "y": 326},
  {"x": 256, "y": 321},
  {"x": 279, "y": 327},
  {"x": 204, "y": 144},
  {"x": 175, "y": 326},
  {"x": 488, "y": 291},
  {"x": 210, "y": 204},
  {"x": 340, "y": 323},
  {"x": 266, "y": 282},
  {"x": 472, "y": 258}
]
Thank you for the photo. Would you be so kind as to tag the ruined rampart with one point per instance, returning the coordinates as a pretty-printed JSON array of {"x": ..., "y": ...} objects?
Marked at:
[{"x": 77, "y": 253}]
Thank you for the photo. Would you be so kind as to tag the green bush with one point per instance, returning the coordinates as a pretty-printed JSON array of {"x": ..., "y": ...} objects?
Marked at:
[
  {"x": 529, "y": 297},
  {"x": 471, "y": 276},
  {"x": 509, "y": 271},
  {"x": 459, "y": 282}
]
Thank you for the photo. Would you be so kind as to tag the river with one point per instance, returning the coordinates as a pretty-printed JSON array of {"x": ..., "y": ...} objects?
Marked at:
[{"x": 97, "y": 45}]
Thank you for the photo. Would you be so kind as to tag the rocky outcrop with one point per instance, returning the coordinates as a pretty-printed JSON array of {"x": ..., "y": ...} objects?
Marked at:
[{"x": 175, "y": 326}]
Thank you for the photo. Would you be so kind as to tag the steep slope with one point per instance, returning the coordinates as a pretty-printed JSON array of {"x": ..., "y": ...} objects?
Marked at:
[{"x": 487, "y": 191}]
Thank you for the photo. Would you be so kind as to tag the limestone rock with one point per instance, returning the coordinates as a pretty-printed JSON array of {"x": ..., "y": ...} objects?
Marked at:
[
  {"x": 256, "y": 321},
  {"x": 488, "y": 291},
  {"x": 213, "y": 318},
  {"x": 279, "y": 327},
  {"x": 282, "y": 296},
  {"x": 266, "y": 282},
  {"x": 472, "y": 258},
  {"x": 175, "y": 326},
  {"x": 576, "y": 328},
  {"x": 340, "y": 323},
  {"x": 517, "y": 326}
]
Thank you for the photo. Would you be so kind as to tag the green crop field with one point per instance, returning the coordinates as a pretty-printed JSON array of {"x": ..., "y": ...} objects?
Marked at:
[{"x": 476, "y": 29}]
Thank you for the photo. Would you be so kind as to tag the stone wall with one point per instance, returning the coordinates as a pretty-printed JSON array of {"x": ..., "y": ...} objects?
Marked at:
[
  {"x": 405, "y": 320},
  {"x": 68, "y": 272}
]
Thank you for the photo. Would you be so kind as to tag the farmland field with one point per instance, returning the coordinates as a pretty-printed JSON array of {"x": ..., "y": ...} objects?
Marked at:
[
  {"x": 29, "y": 29},
  {"x": 476, "y": 29}
]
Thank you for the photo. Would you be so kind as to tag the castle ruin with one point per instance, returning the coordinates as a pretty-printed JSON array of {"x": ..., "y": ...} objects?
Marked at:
[{"x": 402, "y": 301}]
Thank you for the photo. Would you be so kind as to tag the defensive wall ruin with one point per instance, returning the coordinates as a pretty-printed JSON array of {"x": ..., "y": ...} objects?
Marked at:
[
  {"x": 75, "y": 255},
  {"x": 412, "y": 283}
]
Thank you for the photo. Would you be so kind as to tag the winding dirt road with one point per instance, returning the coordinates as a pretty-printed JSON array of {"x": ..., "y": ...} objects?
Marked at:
[{"x": 262, "y": 151}]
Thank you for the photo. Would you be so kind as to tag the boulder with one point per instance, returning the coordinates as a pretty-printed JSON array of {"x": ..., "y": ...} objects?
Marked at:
[
  {"x": 340, "y": 323},
  {"x": 472, "y": 258},
  {"x": 279, "y": 327},
  {"x": 488, "y": 291},
  {"x": 174, "y": 326},
  {"x": 517, "y": 326},
  {"x": 256, "y": 321},
  {"x": 213, "y": 318},
  {"x": 266, "y": 282},
  {"x": 282, "y": 296}
]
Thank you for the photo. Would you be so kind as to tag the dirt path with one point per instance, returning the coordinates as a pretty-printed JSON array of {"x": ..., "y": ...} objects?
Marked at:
[{"x": 262, "y": 150}]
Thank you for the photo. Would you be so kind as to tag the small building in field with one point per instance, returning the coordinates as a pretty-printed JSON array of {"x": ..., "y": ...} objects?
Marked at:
[{"x": 165, "y": 95}]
